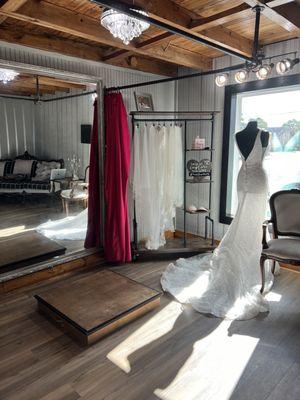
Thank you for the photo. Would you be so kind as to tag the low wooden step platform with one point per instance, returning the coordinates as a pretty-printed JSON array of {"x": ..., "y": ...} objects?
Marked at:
[
  {"x": 26, "y": 248},
  {"x": 96, "y": 305}
]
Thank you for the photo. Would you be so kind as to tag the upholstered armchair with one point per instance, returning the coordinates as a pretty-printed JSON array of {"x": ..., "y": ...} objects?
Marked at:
[{"x": 285, "y": 218}]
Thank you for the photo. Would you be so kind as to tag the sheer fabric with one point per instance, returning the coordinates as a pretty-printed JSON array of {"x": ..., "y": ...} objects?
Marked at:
[
  {"x": 157, "y": 180},
  {"x": 227, "y": 282}
]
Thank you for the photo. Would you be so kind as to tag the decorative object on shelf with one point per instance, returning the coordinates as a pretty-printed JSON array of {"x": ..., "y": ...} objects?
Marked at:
[
  {"x": 7, "y": 75},
  {"x": 194, "y": 210},
  {"x": 124, "y": 26},
  {"x": 143, "y": 101},
  {"x": 199, "y": 170},
  {"x": 74, "y": 166},
  {"x": 199, "y": 143}
]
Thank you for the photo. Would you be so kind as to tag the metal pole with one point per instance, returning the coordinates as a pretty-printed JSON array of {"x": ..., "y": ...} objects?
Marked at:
[
  {"x": 257, "y": 9},
  {"x": 131, "y": 11},
  {"x": 101, "y": 150},
  {"x": 70, "y": 96},
  {"x": 178, "y": 78},
  {"x": 184, "y": 187},
  {"x": 134, "y": 222}
]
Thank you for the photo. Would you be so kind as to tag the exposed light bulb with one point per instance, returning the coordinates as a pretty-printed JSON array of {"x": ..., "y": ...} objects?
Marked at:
[
  {"x": 264, "y": 71},
  {"x": 285, "y": 65},
  {"x": 221, "y": 79},
  {"x": 241, "y": 76}
]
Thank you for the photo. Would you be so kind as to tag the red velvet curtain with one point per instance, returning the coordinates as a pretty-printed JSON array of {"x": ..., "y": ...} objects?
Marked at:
[
  {"x": 94, "y": 214},
  {"x": 117, "y": 164}
]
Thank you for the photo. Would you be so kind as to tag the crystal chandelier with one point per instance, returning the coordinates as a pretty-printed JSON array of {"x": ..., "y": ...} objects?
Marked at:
[
  {"x": 124, "y": 26},
  {"x": 7, "y": 75}
]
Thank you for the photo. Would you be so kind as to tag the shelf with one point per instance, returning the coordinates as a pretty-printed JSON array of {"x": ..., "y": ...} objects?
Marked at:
[
  {"x": 193, "y": 182},
  {"x": 200, "y": 149}
]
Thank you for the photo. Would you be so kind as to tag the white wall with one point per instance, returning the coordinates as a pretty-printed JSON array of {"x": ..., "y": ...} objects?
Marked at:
[
  {"x": 201, "y": 94},
  {"x": 17, "y": 127}
]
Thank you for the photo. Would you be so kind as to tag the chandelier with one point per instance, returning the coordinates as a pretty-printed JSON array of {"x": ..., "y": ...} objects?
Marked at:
[
  {"x": 7, "y": 75},
  {"x": 124, "y": 26}
]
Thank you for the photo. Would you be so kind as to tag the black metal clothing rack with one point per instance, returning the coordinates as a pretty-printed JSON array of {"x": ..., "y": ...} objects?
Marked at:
[{"x": 183, "y": 117}]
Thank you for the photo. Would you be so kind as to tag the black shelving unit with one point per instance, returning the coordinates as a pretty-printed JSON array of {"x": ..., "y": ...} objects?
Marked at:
[{"x": 185, "y": 118}]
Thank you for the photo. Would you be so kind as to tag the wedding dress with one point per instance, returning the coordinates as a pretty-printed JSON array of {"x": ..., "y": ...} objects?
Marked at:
[
  {"x": 69, "y": 228},
  {"x": 227, "y": 282},
  {"x": 157, "y": 180}
]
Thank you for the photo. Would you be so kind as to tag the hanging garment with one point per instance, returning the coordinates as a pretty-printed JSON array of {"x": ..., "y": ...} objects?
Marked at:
[
  {"x": 93, "y": 234},
  {"x": 117, "y": 246},
  {"x": 157, "y": 180},
  {"x": 227, "y": 283}
]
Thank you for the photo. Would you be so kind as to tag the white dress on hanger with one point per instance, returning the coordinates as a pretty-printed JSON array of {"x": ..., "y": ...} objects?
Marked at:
[{"x": 227, "y": 282}]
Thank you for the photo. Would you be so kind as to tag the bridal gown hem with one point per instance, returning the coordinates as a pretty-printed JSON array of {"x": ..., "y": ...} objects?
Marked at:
[{"x": 227, "y": 282}]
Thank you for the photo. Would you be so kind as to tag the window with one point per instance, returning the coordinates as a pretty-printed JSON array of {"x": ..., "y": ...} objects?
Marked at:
[{"x": 275, "y": 104}]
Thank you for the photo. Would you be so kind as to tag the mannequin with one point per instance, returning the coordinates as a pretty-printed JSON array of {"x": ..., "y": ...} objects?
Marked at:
[{"x": 245, "y": 139}]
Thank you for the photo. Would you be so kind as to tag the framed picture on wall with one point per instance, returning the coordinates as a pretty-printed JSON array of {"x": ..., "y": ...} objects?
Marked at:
[{"x": 143, "y": 101}]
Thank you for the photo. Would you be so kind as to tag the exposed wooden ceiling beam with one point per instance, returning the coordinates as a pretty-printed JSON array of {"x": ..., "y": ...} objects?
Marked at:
[
  {"x": 212, "y": 28},
  {"x": 11, "y": 5},
  {"x": 270, "y": 12},
  {"x": 19, "y": 87},
  {"x": 80, "y": 50},
  {"x": 56, "y": 18},
  {"x": 50, "y": 42},
  {"x": 290, "y": 11},
  {"x": 182, "y": 19},
  {"x": 30, "y": 82}
]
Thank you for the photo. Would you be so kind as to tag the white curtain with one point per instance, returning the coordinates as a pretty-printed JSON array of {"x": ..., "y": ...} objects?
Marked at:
[{"x": 157, "y": 180}]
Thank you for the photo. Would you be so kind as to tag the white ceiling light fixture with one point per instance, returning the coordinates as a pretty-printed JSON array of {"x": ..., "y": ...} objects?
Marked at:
[
  {"x": 286, "y": 65},
  {"x": 241, "y": 76},
  {"x": 7, "y": 75},
  {"x": 221, "y": 79},
  {"x": 123, "y": 26},
  {"x": 264, "y": 71}
]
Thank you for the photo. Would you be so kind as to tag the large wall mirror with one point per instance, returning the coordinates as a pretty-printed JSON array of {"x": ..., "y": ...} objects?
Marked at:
[{"x": 45, "y": 134}]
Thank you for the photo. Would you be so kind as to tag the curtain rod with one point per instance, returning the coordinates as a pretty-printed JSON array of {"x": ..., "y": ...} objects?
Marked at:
[{"x": 174, "y": 79}]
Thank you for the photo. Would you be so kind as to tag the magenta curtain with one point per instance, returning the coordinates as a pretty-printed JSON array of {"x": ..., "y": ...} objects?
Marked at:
[
  {"x": 94, "y": 214},
  {"x": 117, "y": 164}
]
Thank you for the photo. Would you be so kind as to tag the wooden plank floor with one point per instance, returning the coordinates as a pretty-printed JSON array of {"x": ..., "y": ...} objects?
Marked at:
[
  {"x": 172, "y": 353},
  {"x": 17, "y": 217}
]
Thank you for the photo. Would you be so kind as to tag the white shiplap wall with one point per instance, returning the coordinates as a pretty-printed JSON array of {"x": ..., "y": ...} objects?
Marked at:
[
  {"x": 58, "y": 123},
  {"x": 17, "y": 127},
  {"x": 202, "y": 94}
]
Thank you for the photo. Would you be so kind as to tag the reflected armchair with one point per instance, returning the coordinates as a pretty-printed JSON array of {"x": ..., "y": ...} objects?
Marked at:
[{"x": 285, "y": 218}]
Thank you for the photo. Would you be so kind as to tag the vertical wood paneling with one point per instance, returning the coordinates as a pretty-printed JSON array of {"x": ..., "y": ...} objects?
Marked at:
[{"x": 58, "y": 123}]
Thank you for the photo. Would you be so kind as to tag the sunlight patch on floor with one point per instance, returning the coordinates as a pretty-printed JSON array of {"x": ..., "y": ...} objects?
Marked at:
[
  {"x": 214, "y": 367},
  {"x": 160, "y": 324},
  {"x": 12, "y": 231},
  {"x": 273, "y": 296}
]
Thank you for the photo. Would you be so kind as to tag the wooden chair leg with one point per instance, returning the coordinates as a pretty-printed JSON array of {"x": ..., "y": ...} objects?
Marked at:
[
  {"x": 262, "y": 270},
  {"x": 273, "y": 267}
]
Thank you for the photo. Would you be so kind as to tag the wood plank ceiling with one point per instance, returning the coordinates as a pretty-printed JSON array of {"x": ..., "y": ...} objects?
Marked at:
[
  {"x": 72, "y": 27},
  {"x": 26, "y": 85}
]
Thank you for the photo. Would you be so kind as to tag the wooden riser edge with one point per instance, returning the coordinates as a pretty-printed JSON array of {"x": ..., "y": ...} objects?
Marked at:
[
  {"x": 68, "y": 266},
  {"x": 86, "y": 340}
]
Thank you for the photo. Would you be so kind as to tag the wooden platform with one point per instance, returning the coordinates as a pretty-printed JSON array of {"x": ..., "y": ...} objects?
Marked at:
[
  {"x": 17, "y": 250},
  {"x": 97, "y": 305}
]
